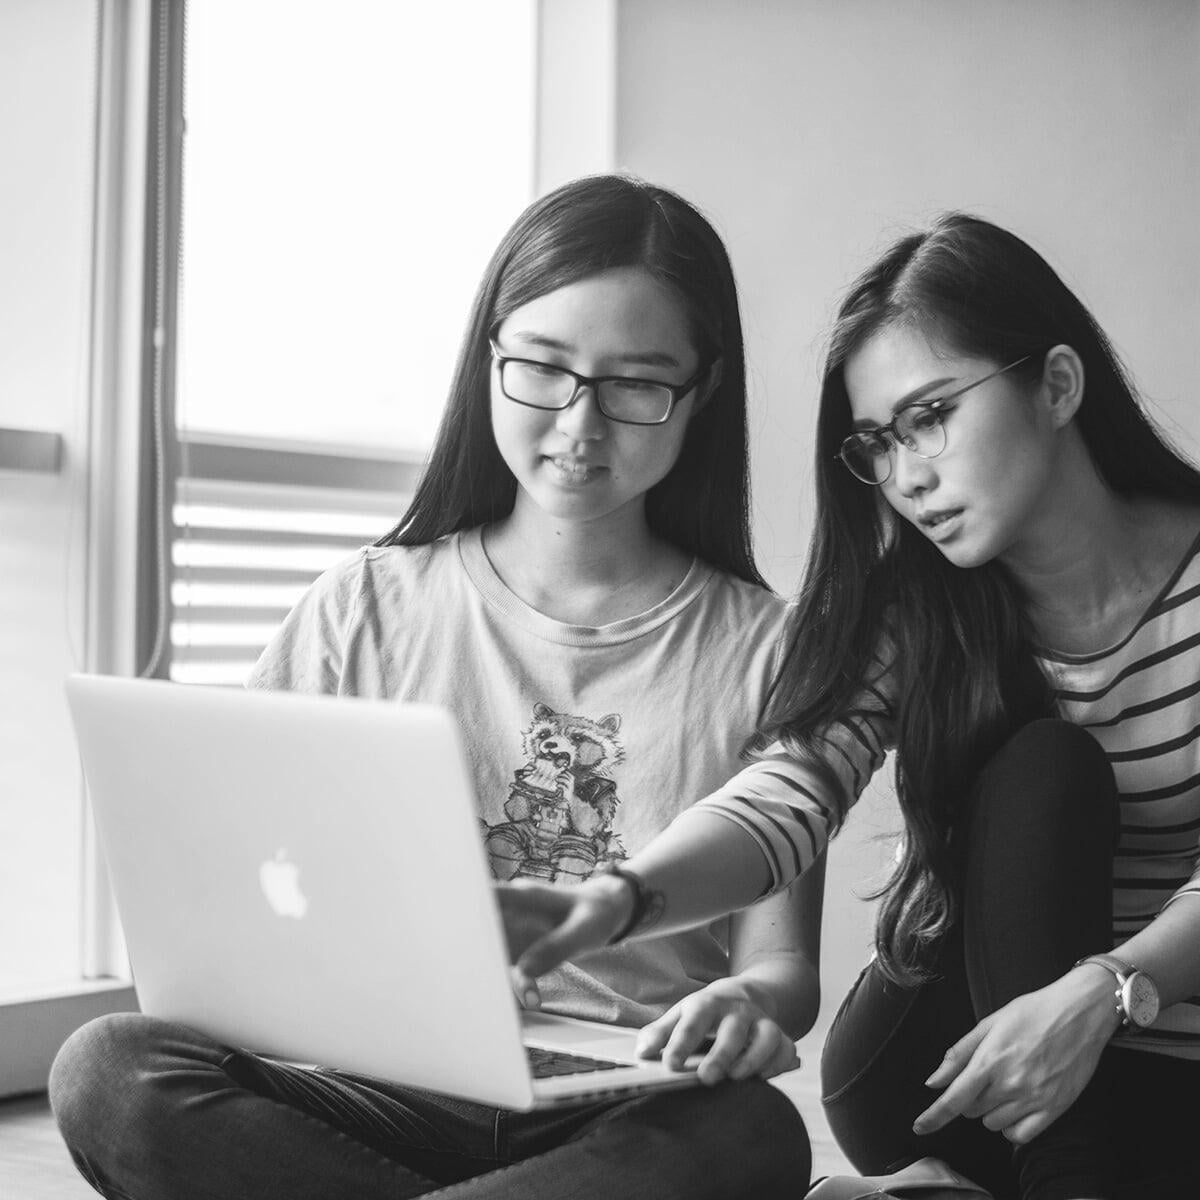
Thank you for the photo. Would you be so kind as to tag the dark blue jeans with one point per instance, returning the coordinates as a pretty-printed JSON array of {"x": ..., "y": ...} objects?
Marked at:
[
  {"x": 1041, "y": 830},
  {"x": 155, "y": 1111}
]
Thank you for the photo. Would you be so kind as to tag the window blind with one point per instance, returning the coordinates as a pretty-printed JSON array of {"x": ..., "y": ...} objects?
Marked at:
[{"x": 252, "y": 528}]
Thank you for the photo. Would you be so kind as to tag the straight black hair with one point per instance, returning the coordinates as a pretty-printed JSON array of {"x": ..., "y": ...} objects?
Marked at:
[
  {"x": 877, "y": 595},
  {"x": 585, "y": 227}
]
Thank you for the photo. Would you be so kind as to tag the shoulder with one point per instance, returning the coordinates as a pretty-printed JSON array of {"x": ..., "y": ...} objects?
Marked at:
[
  {"x": 373, "y": 572},
  {"x": 1170, "y": 532},
  {"x": 402, "y": 564},
  {"x": 745, "y": 602},
  {"x": 1171, "y": 527},
  {"x": 402, "y": 577}
]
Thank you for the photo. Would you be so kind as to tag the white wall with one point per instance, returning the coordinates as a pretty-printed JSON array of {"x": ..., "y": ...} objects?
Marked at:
[
  {"x": 813, "y": 131},
  {"x": 46, "y": 82}
]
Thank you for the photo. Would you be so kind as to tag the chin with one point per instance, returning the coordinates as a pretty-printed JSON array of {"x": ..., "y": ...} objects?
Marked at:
[{"x": 967, "y": 555}]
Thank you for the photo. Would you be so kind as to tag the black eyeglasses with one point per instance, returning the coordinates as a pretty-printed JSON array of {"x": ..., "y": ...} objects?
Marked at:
[
  {"x": 619, "y": 397},
  {"x": 867, "y": 454}
]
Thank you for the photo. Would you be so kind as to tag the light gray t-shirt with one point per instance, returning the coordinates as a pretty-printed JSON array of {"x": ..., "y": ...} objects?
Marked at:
[{"x": 584, "y": 742}]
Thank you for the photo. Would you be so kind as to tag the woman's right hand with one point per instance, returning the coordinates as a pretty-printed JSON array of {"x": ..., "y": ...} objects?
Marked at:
[
  {"x": 547, "y": 925},
  {"x": 745, "y": 1039}
]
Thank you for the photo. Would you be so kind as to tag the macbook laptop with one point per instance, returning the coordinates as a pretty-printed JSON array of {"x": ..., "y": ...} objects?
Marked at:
[{"x": 304, "y": 877}]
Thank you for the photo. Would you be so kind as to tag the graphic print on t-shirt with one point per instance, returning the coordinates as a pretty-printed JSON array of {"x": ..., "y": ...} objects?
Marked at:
[{"x": 561, "y": 801}]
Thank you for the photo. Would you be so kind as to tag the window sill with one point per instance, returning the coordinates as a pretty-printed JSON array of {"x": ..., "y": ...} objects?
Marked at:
[{"x": 35, "y": 1021}]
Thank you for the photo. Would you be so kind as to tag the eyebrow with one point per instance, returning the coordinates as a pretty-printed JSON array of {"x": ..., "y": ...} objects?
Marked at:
[
  {"x": 639, "y": 358},
  {"x": 909, "y": 398}
]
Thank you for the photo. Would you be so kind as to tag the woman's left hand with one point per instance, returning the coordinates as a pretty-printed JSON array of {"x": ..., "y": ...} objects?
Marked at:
[
  {"x": 1023, "y": 1066},
  {"x": 745, "y": 1040}
]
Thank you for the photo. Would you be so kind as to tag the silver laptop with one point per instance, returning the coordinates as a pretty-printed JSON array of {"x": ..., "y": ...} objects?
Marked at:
[{"x": 304, "y": 877}]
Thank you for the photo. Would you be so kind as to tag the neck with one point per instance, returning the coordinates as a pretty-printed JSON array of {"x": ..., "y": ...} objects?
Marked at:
[
  {"x": 1091, "y": 562},
  {"x": 584, "y": 572}
]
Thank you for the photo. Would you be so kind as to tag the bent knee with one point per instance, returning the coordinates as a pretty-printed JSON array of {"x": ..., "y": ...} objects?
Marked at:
[
  {"x": 1058, "y": 750},
  {"x": 104, "y": 1073},
  {"x": 97, "y": 1063},
  {"x": 768, "y": 1126},
  {"x": 1053, "y": 769},
  {"x": 782, "y": 1127}
]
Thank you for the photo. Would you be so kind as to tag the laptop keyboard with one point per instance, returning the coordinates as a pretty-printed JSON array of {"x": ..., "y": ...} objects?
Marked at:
[{"x": 545, "y": 1063}]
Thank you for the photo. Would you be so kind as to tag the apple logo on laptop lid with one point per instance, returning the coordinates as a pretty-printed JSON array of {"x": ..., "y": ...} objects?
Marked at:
[{"x": 279, "y": 879}]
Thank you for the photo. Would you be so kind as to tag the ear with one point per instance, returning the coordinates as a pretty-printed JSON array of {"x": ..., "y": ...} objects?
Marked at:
[
  {"x": 1063, "y": 383},
  {"x": 707, "y": 388}
]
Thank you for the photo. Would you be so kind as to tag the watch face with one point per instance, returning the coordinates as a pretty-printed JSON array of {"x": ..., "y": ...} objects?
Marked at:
[{"x": 1140, "y": 998}]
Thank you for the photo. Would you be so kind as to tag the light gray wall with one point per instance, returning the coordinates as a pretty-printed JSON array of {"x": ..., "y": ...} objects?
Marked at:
[{"x": 814, "y": 131}]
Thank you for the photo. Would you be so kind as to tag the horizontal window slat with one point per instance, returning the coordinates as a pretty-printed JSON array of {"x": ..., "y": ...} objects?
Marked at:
[
  {"x": 299, "y": 558},
  {"x": 255, "y": 523},
  {"x": 260, "y": 460},
  {"x": 219, "y": 614},
  {"x": 367, "y": 525},
  {"x": 246, "y": 574},
  {"x": 273, "y": 537},
  {"x": 265, "y": 497},
  {"x": 186, "y": 632},
  {"x": 210, "y": 674},
  {"x": 217, "y": 654},
  {"x": 187, "y": 592}
]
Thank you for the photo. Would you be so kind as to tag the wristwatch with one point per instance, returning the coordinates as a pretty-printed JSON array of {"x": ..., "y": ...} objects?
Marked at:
[{"x": 1137, "y": 993}]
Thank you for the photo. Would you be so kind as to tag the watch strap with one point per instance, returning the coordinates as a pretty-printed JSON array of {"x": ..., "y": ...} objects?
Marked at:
[
  {"x": 1122, "y": 971},
  {"x": 1118, "y": 966}
]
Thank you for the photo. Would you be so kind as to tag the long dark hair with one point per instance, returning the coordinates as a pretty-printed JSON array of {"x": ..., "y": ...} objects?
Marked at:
[
  {"x": 587, "y": 226},
  {"x": 963, "y": 673}
]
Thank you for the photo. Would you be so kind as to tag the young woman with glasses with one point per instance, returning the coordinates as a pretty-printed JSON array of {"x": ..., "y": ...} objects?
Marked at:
[
  {"x": 574, "y": 579},
  {"x": 1004, "y": 586}
]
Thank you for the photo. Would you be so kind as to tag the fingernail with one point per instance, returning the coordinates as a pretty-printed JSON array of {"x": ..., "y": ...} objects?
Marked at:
[
  {"x": 918, "y": 1127},
  {"x": 531, "y": 998}
]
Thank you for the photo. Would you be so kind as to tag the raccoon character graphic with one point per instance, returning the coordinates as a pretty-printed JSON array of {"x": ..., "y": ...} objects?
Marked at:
[{"x": 561, "y": 801}]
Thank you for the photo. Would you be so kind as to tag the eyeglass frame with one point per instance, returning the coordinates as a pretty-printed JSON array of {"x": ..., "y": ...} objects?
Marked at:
[
  {"x": 890, "y": 432},
  {"x": 677, "y": 390}
]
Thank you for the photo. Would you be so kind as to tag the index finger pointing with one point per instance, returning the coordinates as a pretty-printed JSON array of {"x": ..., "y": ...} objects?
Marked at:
[
  {"x": 953, "y": 1102},
  {"x": 582, "y": 930}
]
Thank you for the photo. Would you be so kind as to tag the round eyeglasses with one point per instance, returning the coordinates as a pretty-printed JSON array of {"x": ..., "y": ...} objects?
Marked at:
[
  {"x": 919, "y": 427},
  {"x": 619, "y": 397}
]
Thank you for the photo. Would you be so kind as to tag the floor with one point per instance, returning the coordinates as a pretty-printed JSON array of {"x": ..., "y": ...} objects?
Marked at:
[{"x": 34, "y": 1165}]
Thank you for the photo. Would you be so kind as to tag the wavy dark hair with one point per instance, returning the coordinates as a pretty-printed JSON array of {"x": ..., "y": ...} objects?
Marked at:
[
  {"x": 591, "y": 225},
  {"x": 963, "y": 671}
]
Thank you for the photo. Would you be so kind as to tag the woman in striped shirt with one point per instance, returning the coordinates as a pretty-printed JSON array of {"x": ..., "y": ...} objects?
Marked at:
[{"x": 1004, "y": 586}]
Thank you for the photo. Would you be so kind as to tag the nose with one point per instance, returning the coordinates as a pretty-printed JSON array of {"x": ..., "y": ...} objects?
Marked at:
[
  {"x": 582, "y": 419},
  {"x": 911, "y": 474}
]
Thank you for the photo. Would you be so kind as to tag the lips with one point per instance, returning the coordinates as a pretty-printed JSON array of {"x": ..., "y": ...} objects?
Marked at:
[
  {"x": 939, "y": 525},
  {"x": 931, "y": 520},
  {"x": 571, "y": 469}
]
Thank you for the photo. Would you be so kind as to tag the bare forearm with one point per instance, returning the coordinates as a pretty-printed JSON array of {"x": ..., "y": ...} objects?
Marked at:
[
  {"x": 1168, "y": 950},
  {"x": 786, "y": 988},
  {"x": 697, "y": 870}
]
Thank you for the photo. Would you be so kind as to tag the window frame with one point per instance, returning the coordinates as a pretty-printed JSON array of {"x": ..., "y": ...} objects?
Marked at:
[{"x": 132, "y": 458}]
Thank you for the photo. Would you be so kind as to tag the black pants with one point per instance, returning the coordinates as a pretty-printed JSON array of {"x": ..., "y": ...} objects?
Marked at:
[
  {"x": 152, "y": 1110},
  {"x": 1041, "y": 830}
]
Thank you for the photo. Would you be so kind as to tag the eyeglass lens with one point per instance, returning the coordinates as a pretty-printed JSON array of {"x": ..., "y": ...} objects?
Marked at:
[
  {"x": 868, "y": 454},
  {"x": 544, "y": 386}
]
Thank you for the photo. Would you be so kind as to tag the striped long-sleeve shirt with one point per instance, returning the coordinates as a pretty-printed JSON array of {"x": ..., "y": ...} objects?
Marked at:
[{"x": 1140, "y": 699}]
